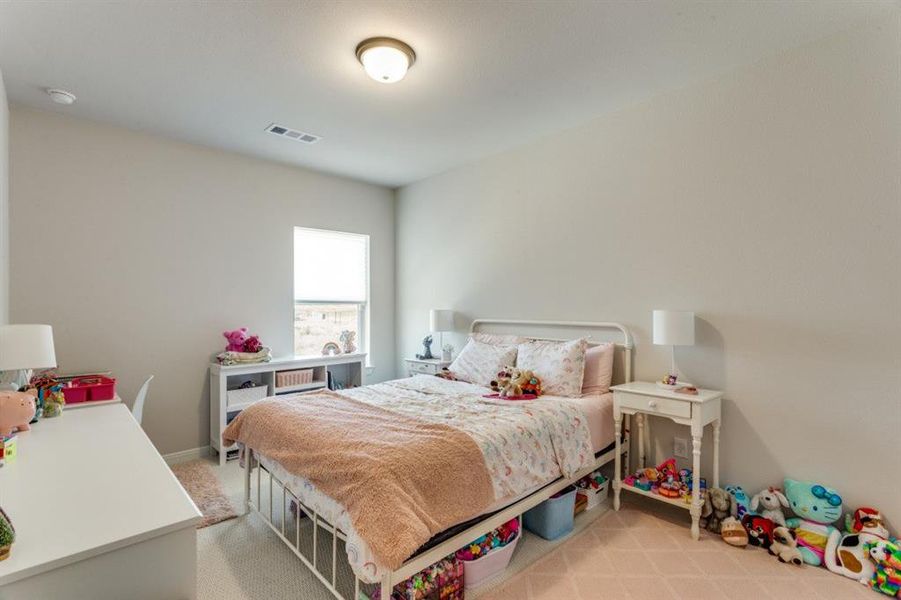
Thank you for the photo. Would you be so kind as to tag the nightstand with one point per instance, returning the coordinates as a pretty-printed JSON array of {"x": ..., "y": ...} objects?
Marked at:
[
  {"x": 425, "y": 366},
  {"x": 642, "y": 398}
]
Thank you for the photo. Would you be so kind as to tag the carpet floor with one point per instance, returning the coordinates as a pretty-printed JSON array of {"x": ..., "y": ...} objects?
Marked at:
[{"x": 642, "y": 551}]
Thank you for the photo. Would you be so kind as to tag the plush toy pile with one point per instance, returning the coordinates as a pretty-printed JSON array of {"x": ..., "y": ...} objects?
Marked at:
[
  {"x": 864, "y": 551},
  {"x": 516, "y": 384},
  {"x": 498, "y": 538},
  {"x": 665, "y": 480},
  {"x": 243, "y": 349}
]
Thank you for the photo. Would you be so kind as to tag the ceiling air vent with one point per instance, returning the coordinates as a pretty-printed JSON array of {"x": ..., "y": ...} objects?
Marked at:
[{"x": 293, "y": 134}]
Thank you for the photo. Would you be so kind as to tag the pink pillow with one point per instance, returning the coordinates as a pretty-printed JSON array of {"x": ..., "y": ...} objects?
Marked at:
[{"x": 598, "y": 369}]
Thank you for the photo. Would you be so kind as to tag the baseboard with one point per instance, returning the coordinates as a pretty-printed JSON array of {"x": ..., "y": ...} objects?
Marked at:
[{"x": 186, "y": 455}]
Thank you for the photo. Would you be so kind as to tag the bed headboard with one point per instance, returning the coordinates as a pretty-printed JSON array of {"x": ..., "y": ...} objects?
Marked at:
[{"x": 596, "y": 333}]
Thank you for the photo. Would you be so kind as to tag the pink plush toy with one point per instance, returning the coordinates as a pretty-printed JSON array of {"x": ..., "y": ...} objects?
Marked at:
[
  {"x": 235, "y": 339},
  {"x": 253, "y": 344},
  {"x": 16, "y": 411}
]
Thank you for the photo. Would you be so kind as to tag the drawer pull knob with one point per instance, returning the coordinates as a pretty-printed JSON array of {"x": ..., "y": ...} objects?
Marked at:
[{"x": 652, "y": 404}]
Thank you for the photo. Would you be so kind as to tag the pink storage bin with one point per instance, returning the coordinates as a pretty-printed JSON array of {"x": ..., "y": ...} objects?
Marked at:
[
  {"x": 477, "y": 572},
  {"x": 97, "y": 387},
  {"x": 74, "y": 394}
]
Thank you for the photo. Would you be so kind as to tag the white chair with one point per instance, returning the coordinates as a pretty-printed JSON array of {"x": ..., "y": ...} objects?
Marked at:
[{"x": 137, "y": 409}]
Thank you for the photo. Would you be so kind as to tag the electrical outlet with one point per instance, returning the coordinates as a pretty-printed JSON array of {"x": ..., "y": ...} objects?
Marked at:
[{"x": 680, "y": 447}]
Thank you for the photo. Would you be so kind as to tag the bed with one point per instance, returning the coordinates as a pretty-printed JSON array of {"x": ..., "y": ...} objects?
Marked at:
[{"x": 529, "y": 450}]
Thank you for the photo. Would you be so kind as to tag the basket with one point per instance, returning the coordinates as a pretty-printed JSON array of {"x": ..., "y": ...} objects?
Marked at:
[
  {"x": 594, "y": 496},
  {"x": 89, "y": 389},
  {"x": 553, "y": 518},
  {"x": 289, "y": 378},
  {"x": 480, "y": 570},
  {"x": 246, "y": 395}
]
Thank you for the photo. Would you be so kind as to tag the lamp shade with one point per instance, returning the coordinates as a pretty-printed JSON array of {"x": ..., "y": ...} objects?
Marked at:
[
  {"x": 26, "y": 347},
  {"x": 441, "y": 320},
  {"x": 674, "y": 328}
]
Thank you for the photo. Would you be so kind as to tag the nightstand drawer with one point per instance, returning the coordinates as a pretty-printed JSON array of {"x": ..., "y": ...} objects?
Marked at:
[
  {"x": 423, "y": 368},
  {"x": 653, "y": 405}
]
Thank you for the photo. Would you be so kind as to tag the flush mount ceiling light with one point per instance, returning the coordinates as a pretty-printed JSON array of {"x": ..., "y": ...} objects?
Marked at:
[
  {"x": 61, "y": 96},
  {"x": 385, "y": 59}
]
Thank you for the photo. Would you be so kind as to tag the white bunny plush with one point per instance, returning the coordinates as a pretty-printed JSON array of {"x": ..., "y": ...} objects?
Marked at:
[{"x": 769, "y": 503}]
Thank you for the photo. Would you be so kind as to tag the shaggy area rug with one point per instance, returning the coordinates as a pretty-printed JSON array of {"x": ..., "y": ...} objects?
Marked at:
[{"x": 202, "y": 485}]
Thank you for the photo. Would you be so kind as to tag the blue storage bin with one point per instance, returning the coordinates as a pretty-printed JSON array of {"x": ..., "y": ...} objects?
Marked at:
[{"x": 553, "y": 518}]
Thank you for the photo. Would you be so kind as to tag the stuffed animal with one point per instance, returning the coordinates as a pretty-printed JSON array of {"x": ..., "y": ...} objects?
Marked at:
[
  {"x": 768, "y": 503},
  {"x": 715, "y": 509},
  {"x": 741, "y": 503},
  {"x": 733, "y": 532},
  {"x": 531, "y": 383},
  {"x": 252, "y": 344},
  {"x": 846, "y": 554},
  {"x": 236, "y": 339},
  {"x": 760, "y": 530},
  {"x": 503, "y": 383},
  {"x": 886, "y": 577},
  {"x": 816, "y": 507},
  {"x": 785, "y": 546}
]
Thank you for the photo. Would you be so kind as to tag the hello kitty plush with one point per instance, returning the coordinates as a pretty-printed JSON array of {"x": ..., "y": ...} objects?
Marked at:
[
  {"x": 235, "y": 339},
  {"x": 816, "y": 507}
]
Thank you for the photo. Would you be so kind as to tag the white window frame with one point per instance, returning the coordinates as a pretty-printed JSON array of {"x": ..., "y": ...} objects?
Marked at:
[{"x": 363, "y": 319}]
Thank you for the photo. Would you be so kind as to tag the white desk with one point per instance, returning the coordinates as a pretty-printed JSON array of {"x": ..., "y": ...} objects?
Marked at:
[{"x": 98, "y": 514}]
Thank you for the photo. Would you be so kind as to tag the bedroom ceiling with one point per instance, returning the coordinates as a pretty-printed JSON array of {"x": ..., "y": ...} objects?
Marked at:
[{"x": 488, "y": 75}]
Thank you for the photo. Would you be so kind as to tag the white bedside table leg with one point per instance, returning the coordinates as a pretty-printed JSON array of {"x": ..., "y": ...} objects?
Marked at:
[
  {"x": 641, "y": 456},
  {"x": 696, "y": 481},
  {"x": 716, "y": 453},
  {"x": 617, "y": 459}
]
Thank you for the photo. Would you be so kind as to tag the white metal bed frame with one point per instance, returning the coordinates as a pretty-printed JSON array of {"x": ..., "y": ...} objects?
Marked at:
[{"x": 432, "y": 555}]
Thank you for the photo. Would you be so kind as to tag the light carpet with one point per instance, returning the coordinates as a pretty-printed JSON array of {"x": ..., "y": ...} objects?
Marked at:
[
  {"x": 202, "y": 485},
  {"x": 642, "y": 551}
]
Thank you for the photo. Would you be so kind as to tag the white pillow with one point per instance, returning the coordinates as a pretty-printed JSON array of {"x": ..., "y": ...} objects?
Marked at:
[
  {"x": 559, "y": 365},
  {"x": 479, "y": 363}
]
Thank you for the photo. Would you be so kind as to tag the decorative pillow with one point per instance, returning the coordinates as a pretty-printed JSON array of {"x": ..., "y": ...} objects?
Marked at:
[
  {"x": 560, "y": 365},
  {"x": 479, "y": 363},
  {"x": 498, "y": 339},
  {"x": 598, "y": 369}
]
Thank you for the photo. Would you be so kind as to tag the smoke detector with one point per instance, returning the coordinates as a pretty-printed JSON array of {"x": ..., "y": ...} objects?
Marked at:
[
  {"x": 293, "y": 134},
  {"x": 61, "y": 96}
]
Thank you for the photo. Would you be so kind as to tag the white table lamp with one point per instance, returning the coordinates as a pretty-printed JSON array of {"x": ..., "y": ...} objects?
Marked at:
[
  {"x": 441, "y": 320},
  {"x": 24, "y": 348},
  {"x": 674, "y": 328}
]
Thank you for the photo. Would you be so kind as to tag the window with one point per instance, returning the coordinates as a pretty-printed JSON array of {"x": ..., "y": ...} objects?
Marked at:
[{"x": 331, "y": 288}]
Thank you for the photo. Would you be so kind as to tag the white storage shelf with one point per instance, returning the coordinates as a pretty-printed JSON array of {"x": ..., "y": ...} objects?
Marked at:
[{"x": 346, "y": 369}]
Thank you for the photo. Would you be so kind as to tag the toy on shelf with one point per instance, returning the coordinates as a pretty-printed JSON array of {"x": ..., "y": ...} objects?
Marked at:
[
  {"x": 235, "y": 339},
  {"x": 816, "y": 507},
  {"x": 243, "y": 349},
  {"x": 847, "y": 554},
  {"x": 348, "y": 341},
  {"x": 733, "y": 532},
  {"x": 666, "y": 480},
  {"x": 17, "y": 409},
  {"x": 785, "y": 546},
  {"x": 760, "y": 530},
  {"x": 7, "y": 535},
  {"x": 886, "y": 577},
  {"x": 769, "y": 502},
  {"x": 715, "y": 509},
  {"x": 741, "y": 503}
]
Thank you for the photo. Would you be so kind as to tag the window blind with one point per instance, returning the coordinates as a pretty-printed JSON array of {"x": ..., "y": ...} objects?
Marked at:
[{"x": 330, "y": 266}]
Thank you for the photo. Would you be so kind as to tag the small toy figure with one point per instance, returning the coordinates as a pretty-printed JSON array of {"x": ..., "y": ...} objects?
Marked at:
[
  {"x": 740, "y": 501},
  {"x": 817, "y": 507},
  {"x": 785, "y": 546},
  {"x": 886, "y": 577},
  {"x": 733, "y": 532},
  {"x": 54, "y": 400},
  {"x": 760, "y": 530},
  {"x": 347, "y": 340},
  {"x": 236, "y": 339},
  {"x": 427, "y": 349},
  {"x": 715, "y": 509},
  {"x": 252, "y": 345},
  {"x": 769, "y": 503}
]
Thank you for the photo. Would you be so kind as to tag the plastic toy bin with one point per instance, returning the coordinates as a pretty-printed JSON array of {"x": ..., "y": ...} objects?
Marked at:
[
  {"x": 89, "y": 389},
  {"x": 553, "y": 518},
  {"x": 480, "y": 570}
]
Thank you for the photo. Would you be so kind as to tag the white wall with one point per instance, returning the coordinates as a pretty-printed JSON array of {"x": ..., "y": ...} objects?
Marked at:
[
  {"x": 4, "y": 204},
  {"x": 140, "y": 251},
  {"x": 767, "y": 200}
]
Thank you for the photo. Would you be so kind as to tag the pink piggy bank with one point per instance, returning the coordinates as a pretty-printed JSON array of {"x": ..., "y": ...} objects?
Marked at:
[{"x": 16, "y": 411}]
